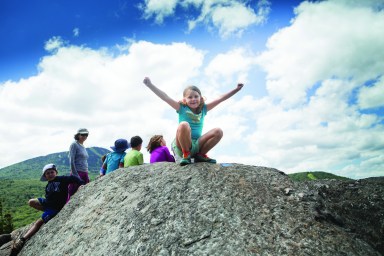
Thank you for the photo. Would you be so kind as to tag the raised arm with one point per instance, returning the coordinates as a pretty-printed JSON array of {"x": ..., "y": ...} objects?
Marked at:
[
  {"x": 162, "y": 95},
  {"x": 224, "y": 97}
]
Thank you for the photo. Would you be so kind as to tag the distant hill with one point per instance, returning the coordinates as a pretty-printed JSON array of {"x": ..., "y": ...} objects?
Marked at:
[
  {"x": 31, "y": 169},
  {"x": 304, "y": 176}
]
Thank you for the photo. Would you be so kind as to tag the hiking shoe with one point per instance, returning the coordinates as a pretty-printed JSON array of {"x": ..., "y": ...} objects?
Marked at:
[
  {"x": 17, "y": 245},
  {"x": 204, "y": 159},
  {"x": 185, "y": 161}
]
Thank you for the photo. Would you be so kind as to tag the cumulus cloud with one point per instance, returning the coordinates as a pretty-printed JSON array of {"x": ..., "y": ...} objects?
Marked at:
[
  {"x": 228, "y": 17},
  {"x": 373, "y": 96},
  {"x": 326, "y": 39},
  {"x": 234, "y": 66},
  {"x": 54, "y": 43},
  {"x": 314, "y": 68},
  {"x": 159, "y": 9}
]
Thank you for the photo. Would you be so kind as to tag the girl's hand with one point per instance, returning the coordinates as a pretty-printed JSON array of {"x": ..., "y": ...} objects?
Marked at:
[
  {"x": 147, "y": 81},
  {"x": 239, "y": 86}
]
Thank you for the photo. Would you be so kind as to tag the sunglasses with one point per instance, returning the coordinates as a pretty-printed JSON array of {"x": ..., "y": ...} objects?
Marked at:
[{"x": 85, "y": 135}]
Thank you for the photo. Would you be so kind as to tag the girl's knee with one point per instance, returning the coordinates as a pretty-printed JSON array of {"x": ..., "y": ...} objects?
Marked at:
[
  {"x": 183, "y": 128},
  {"x": 184, "y": 125},
  {"x": 218, "y": 132}
]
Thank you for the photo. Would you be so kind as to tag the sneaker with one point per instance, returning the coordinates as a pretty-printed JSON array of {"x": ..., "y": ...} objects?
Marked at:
[
  {"x": 204, "y": 158},
  {"x": 17, "y": 245},
  {"x": 185, "y": 161}
]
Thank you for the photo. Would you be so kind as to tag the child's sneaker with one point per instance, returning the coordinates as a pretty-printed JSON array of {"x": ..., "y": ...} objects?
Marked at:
[
  {"x": 185, "y": 161},
  {"x": 204, "y": 158},
  {"x": 17, "y": 246}
]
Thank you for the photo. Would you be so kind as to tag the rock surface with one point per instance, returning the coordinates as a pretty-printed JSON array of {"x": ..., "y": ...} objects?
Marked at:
[{"x": 205, "y": 209}]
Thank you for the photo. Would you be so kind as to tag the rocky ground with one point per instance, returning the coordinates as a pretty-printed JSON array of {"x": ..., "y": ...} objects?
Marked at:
[{"x": 205, "y": 209}]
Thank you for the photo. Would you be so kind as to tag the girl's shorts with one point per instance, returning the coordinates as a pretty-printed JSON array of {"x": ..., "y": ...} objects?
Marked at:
[{"x": 195, "y": 148}]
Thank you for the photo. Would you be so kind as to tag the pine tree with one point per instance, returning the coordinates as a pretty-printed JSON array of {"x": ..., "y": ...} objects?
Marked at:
[{"x": 8, "y": 225}]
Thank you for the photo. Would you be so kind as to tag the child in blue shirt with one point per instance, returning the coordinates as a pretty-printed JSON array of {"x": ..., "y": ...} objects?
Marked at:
[{"x": 115, "y": 159}]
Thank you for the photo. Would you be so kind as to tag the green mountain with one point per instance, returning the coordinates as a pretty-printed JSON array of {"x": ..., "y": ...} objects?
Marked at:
[
  {"x": 305, "y": 176},
  {"x": 31, "y": 169}
]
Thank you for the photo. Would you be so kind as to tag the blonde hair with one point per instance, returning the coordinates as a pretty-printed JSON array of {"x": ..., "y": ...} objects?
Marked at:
[
  {"x": 154, "y": 143},
  {"x": 196, "y": 89}
]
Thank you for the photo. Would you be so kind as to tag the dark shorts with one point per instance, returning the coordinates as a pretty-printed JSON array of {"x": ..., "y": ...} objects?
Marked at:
[{"x": 48, "y": 213}]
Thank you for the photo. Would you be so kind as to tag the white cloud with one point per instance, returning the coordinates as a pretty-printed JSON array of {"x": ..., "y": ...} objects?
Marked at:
[
  {"x": 228, "y": 17},
  {"x": 76, "y": 32},
  {"x": 234, "y": 66},
  {"x": 54, "y": 43},
  {"x": 373, "y": 96},
  {"x": 314, "y": 68},
  {"x": 325, "y": 40},
  {"x": 160, "y": 9},
  {"x": 372, "y": 4}
]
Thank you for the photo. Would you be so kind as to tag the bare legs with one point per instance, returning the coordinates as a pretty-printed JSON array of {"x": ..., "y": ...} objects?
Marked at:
[
  {"x": 19, "y": 243},
  {"x": 34, "y": 203},
  {"x": 209, "y": 140},
  {"x": 36, "y": 226},
  {"x": 183, "y": 136},
  {"x": 206, "y": 142}
]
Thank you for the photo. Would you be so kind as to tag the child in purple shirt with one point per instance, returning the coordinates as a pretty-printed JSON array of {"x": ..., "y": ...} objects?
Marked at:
[{"x": 158, "y": 150}]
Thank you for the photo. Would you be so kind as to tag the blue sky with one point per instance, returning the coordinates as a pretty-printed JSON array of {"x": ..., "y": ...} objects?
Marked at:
[{"x": 313, "y": 71}]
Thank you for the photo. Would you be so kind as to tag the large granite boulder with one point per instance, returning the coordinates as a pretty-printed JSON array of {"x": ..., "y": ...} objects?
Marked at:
[{"x": 215, "y": 209}]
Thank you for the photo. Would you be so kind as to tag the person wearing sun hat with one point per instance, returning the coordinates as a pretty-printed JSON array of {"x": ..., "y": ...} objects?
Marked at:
[
  {"x": 115, "y": 159},
  {"x": 56, "y": 192},
  {"x": 78, "y": 160}
]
